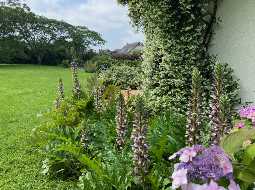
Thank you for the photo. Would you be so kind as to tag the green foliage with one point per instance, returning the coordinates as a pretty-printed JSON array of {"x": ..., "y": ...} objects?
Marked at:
[
  {"x": 80, "y": 142},
  {"x": 114, "y": 172},
  {"x": 240, "y": 145},
  {"x": 177, "y": 37},
  {"x": 65, "y": 63},
  {"x": 36, "y": 39},
  {"x": 90, "y": 67},
  {"x": 119, "y": 72},
  {"x": 59, "y": 135},
  {"x": 104, "y": 61},
  {"x": 124, "y": 76},
  {"x": 165, "y": 136}
]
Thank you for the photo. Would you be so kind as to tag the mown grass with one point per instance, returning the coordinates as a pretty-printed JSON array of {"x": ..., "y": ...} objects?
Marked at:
[{"x": 25, "y": 92}]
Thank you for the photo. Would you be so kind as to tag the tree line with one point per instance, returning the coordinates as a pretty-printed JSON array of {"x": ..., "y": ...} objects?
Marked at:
[{"x": 28, "y": 38}]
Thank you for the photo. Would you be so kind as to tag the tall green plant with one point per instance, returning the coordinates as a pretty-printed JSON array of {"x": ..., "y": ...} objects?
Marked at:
[
  {"x": 60, "y": 94},
  {"x": 220, "y": 113},
  {"x": 121, "y": 121},
  {"x": 77, "y": 91},
  {"x": 139, "y": 142},
  {"x": 194, "y": 115}
]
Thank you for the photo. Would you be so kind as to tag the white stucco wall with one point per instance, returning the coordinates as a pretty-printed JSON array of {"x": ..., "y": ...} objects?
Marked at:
[{"x": 234, "y": 42}]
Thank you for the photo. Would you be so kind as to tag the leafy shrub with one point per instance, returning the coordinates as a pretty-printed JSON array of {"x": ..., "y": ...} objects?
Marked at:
[
  {"x": 120, "y": 72},
  {"x": 65, "y": 63},
  {"x": 59, "y": 131},
  {"x": 133, "y": 56},
  {"x": 123, "y": 76},
  {"x": 102, "y": 62},
  {"x": 113, "y": 172},
  {"x": 240, "y": 146},
  {"x": 90, "y": 67},
  {"x": 165, "y": 136},
  {"x": 240, "y": 143}
]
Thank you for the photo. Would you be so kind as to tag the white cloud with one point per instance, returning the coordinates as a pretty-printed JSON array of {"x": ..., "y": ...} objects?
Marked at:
[{"x": 103, "y": 16}]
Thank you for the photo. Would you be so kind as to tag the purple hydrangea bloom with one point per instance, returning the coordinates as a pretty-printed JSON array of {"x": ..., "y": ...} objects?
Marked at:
[
  {"x": 196, "y": 148},
  {"x": 233, "y": 186},
  {"x": 212, "y": 163},
  {"x": 204, "y": 164}
]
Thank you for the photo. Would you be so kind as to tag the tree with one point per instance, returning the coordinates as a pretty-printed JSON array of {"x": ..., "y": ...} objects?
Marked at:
[
  {"x": 41, "y": 35},
  {"x": 15, "y": 3}
]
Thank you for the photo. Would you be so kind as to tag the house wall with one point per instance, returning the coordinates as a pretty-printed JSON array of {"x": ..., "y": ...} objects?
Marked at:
[{"x": 234, "y": 42}]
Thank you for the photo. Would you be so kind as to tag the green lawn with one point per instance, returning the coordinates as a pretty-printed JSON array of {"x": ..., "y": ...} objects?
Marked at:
[{"x": 25, "y": 92}]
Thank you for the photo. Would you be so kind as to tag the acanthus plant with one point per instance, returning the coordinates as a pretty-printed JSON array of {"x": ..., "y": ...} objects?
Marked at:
[
  {"x": 220, "y": 113},
  {"x": 60, "y": 94},
  {"x": 98, "y": 97},
  {"x": 121, "y": 122},
  {"x": 202, "y": 168},
  {"x": 77, "y": 91},
  {"x": 139, "y": 144},
  {"x": 194, "y": 115}
]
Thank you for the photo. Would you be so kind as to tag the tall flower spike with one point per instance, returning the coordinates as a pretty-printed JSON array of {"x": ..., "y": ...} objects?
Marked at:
[
  {"x": 60, "y": 94},
  {"x": 225, "y": 115},
  {"x": 139, "y": 146},
  {"x": 220, "y": 107},
  {"x": 215, "y": 105},
  {"x": 98, "y": 98},
  {"x": 77, "y": 92},
  {"x": 194, "y": 111},
  {"x": 121, "y": 121}
]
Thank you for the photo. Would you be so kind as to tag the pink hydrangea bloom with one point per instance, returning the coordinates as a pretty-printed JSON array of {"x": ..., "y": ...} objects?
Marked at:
[
  {"x": 179, "y": 178},
  {"x": 225, "y": 164},
  {"x": 187, "y": 155},
  {"x": 214, "y": 186},
  {"x": 192, "y": 186},
  {"x": 240, "y": 125},
  {"x": 233, "y": 186},
  {"x": 248, "y": 113},
  {"x": 211, "y": 186}
]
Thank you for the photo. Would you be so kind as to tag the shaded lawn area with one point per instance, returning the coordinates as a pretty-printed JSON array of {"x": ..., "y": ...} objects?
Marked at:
[{"x": 25, "y": 92}]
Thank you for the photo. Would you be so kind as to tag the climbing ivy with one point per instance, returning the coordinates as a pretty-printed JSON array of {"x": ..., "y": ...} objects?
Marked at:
[{"x": 177, "y": 37}]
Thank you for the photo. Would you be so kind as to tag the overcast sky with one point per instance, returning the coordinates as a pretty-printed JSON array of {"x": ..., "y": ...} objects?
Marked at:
[{"x": 103, "y": 16}]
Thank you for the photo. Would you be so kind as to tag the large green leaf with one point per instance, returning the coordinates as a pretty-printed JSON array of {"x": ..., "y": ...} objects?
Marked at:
[
  {"x": 233, "y": 142},
  {"x": 247, "y": 176},
  {"x": 249, "y": 154}
]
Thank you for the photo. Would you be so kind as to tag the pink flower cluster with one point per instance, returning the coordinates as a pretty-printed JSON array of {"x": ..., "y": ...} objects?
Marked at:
[
  {"x": 207, "y": 165},
  {"x": 248, "y": 113}
]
